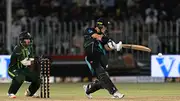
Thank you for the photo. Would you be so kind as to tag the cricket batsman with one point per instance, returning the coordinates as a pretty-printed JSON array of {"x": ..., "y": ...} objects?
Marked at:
[
  {"x": 96, "y": 44},
  {"x": 20, "y": 67}
]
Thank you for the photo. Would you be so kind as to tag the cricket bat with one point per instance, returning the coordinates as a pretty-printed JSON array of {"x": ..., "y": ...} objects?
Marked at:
[{"x": 136, "y": 47}]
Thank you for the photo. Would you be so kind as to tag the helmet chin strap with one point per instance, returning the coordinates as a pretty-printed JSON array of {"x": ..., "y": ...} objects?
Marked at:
[{"x": 21, "y": 44}]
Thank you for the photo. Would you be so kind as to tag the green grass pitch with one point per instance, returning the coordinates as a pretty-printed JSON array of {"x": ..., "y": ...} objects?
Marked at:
[{"x": 74, "y": 92}]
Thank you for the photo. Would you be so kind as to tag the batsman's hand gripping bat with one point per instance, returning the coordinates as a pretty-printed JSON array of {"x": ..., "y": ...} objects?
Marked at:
[{"x": 136, "y": 47}]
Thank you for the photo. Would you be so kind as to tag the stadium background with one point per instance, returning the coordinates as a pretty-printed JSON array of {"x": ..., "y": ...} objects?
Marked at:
[{"x": 57, "y": 27}]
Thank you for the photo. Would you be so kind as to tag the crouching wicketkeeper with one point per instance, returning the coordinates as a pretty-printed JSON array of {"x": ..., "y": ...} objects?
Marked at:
[{"x": 21, "y": 67}]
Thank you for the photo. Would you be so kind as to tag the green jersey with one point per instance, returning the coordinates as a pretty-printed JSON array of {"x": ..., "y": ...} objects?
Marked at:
[{"x": 20, "y": 53}]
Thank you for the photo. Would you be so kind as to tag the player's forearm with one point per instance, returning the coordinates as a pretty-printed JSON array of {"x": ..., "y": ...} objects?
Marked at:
[
  {"x": 100, "y": 38},
  {"x": 97, "y": 36}
]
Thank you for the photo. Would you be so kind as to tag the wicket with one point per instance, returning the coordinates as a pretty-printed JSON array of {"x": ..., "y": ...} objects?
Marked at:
[{"x": 44, "y": 75}]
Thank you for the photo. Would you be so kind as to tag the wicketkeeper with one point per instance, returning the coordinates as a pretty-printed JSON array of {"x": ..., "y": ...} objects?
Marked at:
[
  {"x": 96, "y": 43},
  {"x": 21, "y": 67}
]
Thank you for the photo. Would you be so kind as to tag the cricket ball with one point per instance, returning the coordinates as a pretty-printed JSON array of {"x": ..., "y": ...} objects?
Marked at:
[{"x": 159, "y": 54}]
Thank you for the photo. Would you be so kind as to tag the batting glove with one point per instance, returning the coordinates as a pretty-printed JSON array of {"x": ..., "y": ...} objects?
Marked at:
[
  {"x": 111, "y": 44},
  {"x": 119, "y": 46}
]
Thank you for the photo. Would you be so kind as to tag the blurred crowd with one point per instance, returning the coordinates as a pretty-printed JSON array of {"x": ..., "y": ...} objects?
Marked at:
[
  {"x": 145, "y": 11},
  {"x": 68, "y": 10}
]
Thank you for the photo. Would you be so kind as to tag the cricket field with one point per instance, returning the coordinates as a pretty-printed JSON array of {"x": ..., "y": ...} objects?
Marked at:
[{"x": 74, "y": 92}]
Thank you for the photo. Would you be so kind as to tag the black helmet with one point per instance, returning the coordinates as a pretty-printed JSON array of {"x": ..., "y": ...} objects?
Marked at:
[
  {"x": 102, "y": 22},
  {"x": 25, "y": 35}
]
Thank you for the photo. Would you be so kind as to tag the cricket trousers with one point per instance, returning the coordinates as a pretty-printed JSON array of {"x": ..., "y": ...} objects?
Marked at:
[
  {"x": 24, "y": 74},
  {"x": 97, "y": 62}
]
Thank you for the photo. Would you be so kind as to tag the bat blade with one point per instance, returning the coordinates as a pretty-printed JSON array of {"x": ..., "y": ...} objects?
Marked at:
[{"x": 136, "y": 47}]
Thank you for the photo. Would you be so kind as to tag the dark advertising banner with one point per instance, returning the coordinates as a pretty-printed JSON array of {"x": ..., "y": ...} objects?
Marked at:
[{"x": 76, "y": 66}]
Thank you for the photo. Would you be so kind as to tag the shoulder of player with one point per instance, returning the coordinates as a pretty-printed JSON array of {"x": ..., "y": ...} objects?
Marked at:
[
  {"x": 90, "y": 30},
  {"x": 17, "y": 49}
]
